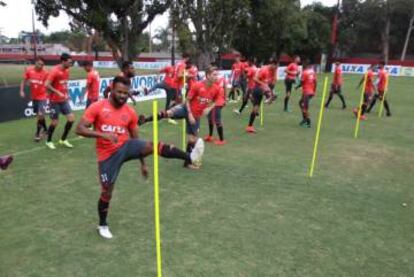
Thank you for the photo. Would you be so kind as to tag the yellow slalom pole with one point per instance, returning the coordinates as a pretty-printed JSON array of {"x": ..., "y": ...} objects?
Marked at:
[
  {"x": 383, "y": 97},
  {"x": 184, "y": 123},
  {"x": 360, "y": 107},
  {"x": 156, "y": 189},
  {"x": 261, "y": 113},
  {"x": 318, "y": 128}
]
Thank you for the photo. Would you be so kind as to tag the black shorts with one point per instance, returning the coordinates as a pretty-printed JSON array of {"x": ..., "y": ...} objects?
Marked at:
[
  {"x": 110, "y": 168},
  {"x": 180, "y": 112},
  {"x": 289, "y": 84},
  {"x": 305, "y": 100},
  {"x": 367, "y": 97},
  {"x": 336, "y": 89},
  {"x": 215, "y": 115},
  {"x": 39, "y": 106},
  {"x": 58, "y": 108},
  {"x": 257, "y": 96}
]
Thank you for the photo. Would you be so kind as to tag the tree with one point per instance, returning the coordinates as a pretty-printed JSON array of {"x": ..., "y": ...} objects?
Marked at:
[
  {"x": 271, "y": 28},
  {"x": 120, "y": 22},
  {"x": 214, "y": 22}
]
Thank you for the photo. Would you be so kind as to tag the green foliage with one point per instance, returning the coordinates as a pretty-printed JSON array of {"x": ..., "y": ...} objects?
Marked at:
[{"x": 120, "y": 22}]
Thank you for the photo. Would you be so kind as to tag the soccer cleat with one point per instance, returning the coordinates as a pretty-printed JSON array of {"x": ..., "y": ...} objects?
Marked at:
[
  {"x": 287, "y": 110},
  {"x": 50, "y": 145},
  {"x": 388, "y": 114},
  {"x": 197, "y": 153},
  {"x": 65, "y": 143},
  {"x": 5, "y": 161},
  {"x": 192, "y": 166},
  {"x": 209, "y": 138},
  {"x": 104, "y": 232},
  {"x": 344, "y": 107},
  {"x": 362, "y": 117},
  {"x": 220, "y": 142},
  {"x": 250, "y": 129},
  {"x": 303, "y": 123},
  {"x": 37, "y": 138},
  {"x": 172, "y": 121},
  {"x": 236, "y": 111}
]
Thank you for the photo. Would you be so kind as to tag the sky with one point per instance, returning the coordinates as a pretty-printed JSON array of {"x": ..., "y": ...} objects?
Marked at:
[{"x": 17, "y": 16}]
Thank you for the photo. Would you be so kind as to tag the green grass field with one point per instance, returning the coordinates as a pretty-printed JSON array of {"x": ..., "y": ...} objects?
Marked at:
[
  {"x": 250, "y": 210},
  {"x": 11, "y": 74}
]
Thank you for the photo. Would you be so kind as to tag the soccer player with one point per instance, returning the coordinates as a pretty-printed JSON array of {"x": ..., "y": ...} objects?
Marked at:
[
  {"x": 127, "y": 71},
  {"x": 92, "y": 83},
  {"x": 200, "y": 101},
  {"x": 381, "y": 86},
  {"x": 336, "y": 86},
  {"x": 250, "y": 74},
  {"x": 308, "y": 84},
  {"x": 237, "y": 78},
  {"x": 36, "y": 76},
  {"x": 214, "y": 117},
  {"x": 180, "y": 71},
  {"x": 5, "y": 161},
  {"x": 57, "y": 85},
  {"x": 167, "y": 84},
  {"x": 368, "y": 92},
  {"x": 116, "y": 133},
  {"x": 262, "y": 79},
  {"x": 292, "y": 72}
]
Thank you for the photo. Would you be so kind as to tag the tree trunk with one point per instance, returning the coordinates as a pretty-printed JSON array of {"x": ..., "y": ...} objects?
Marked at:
[
  {"x": 407, "y": 38},
  {"x": 385, "y": 37},
  {"x": 125, "y": 42}
]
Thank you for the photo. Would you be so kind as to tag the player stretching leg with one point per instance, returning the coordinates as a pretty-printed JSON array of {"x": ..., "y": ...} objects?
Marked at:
[{"x": 116, "y": 133}]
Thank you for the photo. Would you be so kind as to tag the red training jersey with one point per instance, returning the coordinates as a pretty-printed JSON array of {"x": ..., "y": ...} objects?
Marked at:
[
  {"x": 264, "y": 74},
  {"x": 369, "y": 85},
  {"x": 292, "y": 71},
  {"x": 237, "y": 70},
  {"x": 192, "y": 76},
  {"x": 309, "y": 82},
  {"x": 201, "y": 96},
  {"x": 337, "y": 78},
  {"x": 92, "y": 85},
  {"x": 250, "y": 73},
  {"x": 179, "y": 70},
  {"x": 382, "y": 80},
  {"x": 221, "y": 98},
  {"x": 37, "y": 79},
  {"x": 58, "y": 78},
  {"x": 108, "y": 119},
  {"x": 169, "y": 76}
]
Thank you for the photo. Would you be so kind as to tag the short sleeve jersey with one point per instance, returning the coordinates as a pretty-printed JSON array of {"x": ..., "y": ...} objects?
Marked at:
[
  {"x": 92, "y": 81},
  {"x": 193, "y": 72},
  {"x": 264, "y": 74},
  {"x": 337, "y": 79},
  {"x": 292, "y": 71},
  {"x": 178, "y": 70},
  {"x": 250, "y": 73},
  {"x": 221, "y": 98},
  {"x": 369, "y": 85},
  {"x": 308, "y": 82},
  {"x": 237, "y": 70},
  {"x": 37, "y": 79},
  {"x": 201, "y": 96},
  {"x": 382, "y": 80},
  {"x": 59, "y": 80},
  {"x": 108, "y": 119},
  {"x": 169, "y": 75}
]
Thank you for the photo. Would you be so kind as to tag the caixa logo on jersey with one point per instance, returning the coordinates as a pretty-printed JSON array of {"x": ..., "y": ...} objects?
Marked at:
[
  {"x": 76, "y": 91},
  {"x": 29, "y": 112}
]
